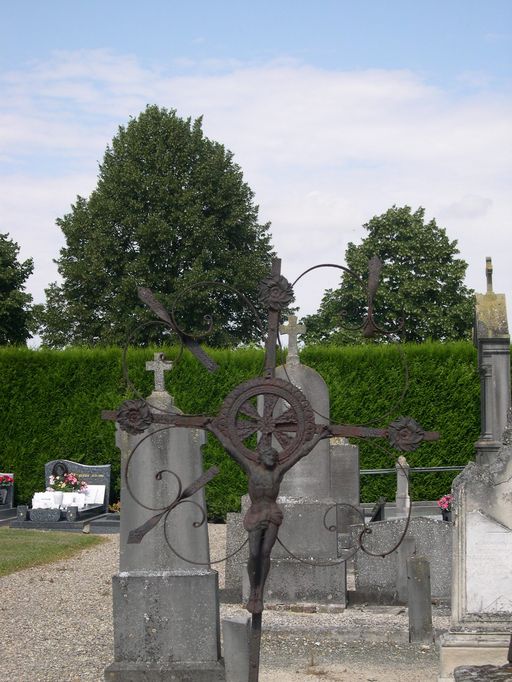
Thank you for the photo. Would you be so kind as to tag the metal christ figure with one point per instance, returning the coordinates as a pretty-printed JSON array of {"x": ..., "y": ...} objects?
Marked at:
[{"x": 264, "y": 516}]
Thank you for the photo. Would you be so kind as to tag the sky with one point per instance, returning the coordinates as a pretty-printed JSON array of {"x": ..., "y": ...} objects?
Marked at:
[{"x": 334, "y": 110}]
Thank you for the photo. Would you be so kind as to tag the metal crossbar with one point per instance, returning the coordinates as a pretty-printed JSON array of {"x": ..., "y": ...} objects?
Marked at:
[{"x": 371, "y": 472}]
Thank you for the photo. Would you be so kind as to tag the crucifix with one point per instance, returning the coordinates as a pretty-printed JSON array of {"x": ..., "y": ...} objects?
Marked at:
[{"x": 255, "y": 408}]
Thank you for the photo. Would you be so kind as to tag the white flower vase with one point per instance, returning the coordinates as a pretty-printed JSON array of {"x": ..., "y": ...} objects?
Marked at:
[
  {"x": 57, "y": 499},
  {"x": 68, "y": 500}
]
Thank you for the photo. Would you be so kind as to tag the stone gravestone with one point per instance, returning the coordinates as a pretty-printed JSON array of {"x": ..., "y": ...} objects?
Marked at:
[
  {"x": 481, "y": 621},
  {"x": 493, "y": 343},
  {"x": 377, "y": 578},
  {"x": 166, "y": 610},
  {"x": 305, "y": 498}
]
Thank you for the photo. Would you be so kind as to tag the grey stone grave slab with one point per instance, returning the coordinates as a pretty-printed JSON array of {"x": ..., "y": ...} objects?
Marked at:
[
  {"x": 108, "y": 523},
  {"x": 376, "y": 576}
]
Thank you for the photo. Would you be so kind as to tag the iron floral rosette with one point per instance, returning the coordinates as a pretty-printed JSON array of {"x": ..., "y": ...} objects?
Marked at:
[
  {"x": 405, "y": 434},
  {"x": 134, "y": 416},
  {"x": 275, "y": 292}
]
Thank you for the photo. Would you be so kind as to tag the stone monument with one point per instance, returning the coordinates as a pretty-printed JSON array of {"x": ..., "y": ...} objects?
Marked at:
[
  {"x": 481, "y": 620},
  {"x": 166, "y": 610},
  {"x": 492, "y": 339},
  {"x": 305, "y": 498}
]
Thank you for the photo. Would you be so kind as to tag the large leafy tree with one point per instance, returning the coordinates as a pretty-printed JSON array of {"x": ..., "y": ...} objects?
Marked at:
[
  {"x": 170, "y": 209},
  {"x": 15, "y": 304},
  {"x": 422, "y": 281}
]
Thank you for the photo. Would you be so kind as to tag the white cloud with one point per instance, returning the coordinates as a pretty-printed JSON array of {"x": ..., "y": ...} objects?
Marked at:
[{"x": 324, "y": 151}]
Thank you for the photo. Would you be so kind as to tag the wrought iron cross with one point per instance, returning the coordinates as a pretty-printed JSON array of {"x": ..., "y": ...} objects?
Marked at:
[{"x": 283, "y": 437}]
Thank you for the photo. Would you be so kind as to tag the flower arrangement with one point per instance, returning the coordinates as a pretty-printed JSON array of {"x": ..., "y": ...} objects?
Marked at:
[
  {"x": 445, "y": 503},
  {"x": 115, "y": 508},
  {"x": 68, "y": 483},
  {"x": 6, "y": 480}
]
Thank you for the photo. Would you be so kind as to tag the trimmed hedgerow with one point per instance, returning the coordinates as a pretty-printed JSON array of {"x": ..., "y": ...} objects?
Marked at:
[
  {"x": 51, "y": 403},
  {"x": 435, "y": 383}
]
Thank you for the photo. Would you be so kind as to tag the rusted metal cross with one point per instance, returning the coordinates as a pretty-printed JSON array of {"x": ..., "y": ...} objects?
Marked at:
[{"x": 283, "y": 437}]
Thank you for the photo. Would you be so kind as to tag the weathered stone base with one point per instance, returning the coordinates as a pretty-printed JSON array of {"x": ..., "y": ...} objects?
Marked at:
[
  {"x": 136, "y": 672},
  {"x": 471, "y": 648},
  {"x": 166, "y": 627},
  {"x": 293, "y": 582}
]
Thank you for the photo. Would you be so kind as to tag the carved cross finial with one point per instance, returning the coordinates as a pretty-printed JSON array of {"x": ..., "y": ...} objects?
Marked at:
[
  {"x": 488, "y": 274},
  {"x": 159, "y": 365},
  {"x": 293, "y": 330}
]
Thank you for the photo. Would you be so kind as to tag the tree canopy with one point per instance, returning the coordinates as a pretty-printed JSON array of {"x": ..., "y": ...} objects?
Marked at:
[
  {"x": 15, "y": 304},
  {"x": 170, "y": 209},
  {"x": 422, "y": 282}
]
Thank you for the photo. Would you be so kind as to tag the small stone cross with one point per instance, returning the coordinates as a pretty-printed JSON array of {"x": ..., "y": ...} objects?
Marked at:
[
  {"x": 488, "y": 274},
  {"x": 159, "y": 365},
  {"x": 293, "y": 330}
]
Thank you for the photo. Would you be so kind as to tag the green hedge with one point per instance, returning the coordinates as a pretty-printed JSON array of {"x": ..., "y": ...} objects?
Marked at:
[{"x": 51, "y": 403}]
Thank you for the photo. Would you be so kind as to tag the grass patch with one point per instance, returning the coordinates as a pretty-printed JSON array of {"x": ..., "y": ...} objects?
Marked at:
[{"x": 21, "y": 549}]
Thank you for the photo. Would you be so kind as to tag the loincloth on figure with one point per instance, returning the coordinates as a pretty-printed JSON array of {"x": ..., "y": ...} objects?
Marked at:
[{"x": 262, "y": 512}]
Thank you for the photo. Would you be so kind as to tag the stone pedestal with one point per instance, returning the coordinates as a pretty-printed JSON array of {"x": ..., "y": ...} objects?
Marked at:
[
  {"x": 166, "y": 612},
  {"x": 169, "y": 629},
  {"x": 293, "y": 580},
  {"x": 471, "y": 648}
]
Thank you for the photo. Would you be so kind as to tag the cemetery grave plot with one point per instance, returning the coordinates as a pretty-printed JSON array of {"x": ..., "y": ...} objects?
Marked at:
[{"x": 68, "y": 510}]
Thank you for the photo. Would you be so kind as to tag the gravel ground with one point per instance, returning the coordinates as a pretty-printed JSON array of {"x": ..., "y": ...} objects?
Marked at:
[{"x": 77, "y": 645}]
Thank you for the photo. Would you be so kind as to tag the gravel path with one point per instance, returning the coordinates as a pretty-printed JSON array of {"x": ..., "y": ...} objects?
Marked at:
[{"x": 57, "y": 627}]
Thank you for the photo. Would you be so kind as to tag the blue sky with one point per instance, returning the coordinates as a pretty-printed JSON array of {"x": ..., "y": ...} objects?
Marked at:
[{"x": 334, "y": 110}]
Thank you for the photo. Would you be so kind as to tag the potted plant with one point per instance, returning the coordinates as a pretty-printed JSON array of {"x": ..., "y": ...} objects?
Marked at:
[
  {"x": 5, "y": 482},
  {"x": 445, "y": 504}
]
